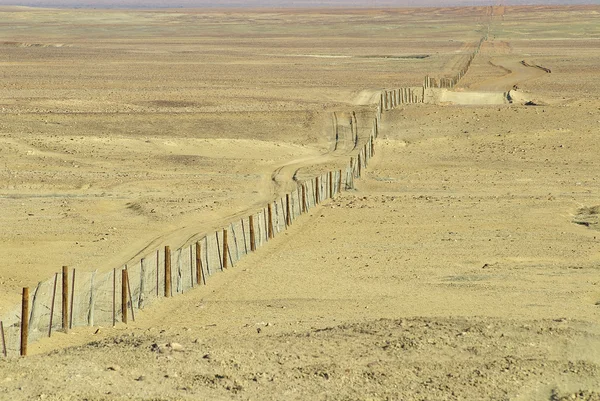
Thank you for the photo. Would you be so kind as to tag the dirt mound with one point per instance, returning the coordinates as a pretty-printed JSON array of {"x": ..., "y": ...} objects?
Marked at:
[{"x": 444, "y": 96}]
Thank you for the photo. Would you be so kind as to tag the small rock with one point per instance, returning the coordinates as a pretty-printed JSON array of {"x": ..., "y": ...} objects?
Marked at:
[
  {"x": 176, "y": 347},
  {"x": 114, "y": 368},
  {"x": 141, "y": 378}
]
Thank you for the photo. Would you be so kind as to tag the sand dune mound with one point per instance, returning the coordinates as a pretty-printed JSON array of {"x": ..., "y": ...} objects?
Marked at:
[{"x": 445, "y": 96}]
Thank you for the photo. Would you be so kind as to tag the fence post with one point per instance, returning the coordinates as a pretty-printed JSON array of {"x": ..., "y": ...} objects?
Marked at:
[
  {"x": 372, "y": 147},
  {"x": 340, "y": 183},
  {"x": 304, "y": 208},
  {"x": 167, "y": 271},
  {"x": 114, "y": 303},
  {"x": 65, "y": 298},
  {"x": 124, "y": 296},
  {"x": 359, "y": 165},
  {"x": 24, "y": 320},
  {"x": 225, "y": 245},
  {"x": 252, "y": 235},
  {"x": 317, "y": 192},
  {"x": 331, "y": 184}
]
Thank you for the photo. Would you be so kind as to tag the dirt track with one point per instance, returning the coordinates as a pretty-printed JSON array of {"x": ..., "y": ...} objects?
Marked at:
[{"x": 518, "y": 73}]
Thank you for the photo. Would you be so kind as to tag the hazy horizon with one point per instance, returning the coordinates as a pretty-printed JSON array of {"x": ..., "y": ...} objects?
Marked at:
[{"x": 277, "y": 3}]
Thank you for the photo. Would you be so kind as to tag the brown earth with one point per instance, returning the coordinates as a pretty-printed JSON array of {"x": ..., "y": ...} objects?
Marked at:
[{"x": 464, "y": 266}]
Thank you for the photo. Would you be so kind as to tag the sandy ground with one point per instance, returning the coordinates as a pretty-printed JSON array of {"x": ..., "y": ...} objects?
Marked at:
[
  {"x": 464, "y": 266},
  {"x": 123, "y": 131}
]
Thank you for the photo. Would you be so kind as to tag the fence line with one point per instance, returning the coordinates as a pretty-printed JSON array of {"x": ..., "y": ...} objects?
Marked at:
[
  {"x": 392, "y": 98},
  {"x": 93, "y": 298},
  {"x": 451, "y": 82},
  {"x": 106, "y": 298}
]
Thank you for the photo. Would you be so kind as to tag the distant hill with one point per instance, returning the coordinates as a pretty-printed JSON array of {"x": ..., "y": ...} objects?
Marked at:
[{"x": 277, "y": 3}]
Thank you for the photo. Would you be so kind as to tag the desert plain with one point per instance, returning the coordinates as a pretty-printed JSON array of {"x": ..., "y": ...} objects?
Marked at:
[{"x": 465, "y": 263}]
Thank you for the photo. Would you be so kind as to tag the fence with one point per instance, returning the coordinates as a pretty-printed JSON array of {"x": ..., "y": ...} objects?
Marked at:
[
  {"x": 75, "y": 298},
  {"x": 395, "y": 97},
  {"x": 451, "y": 82},
  {"x": 94, "y": 298}
]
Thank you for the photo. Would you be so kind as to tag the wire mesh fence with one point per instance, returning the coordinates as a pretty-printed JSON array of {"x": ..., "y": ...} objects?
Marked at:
[{"x": 76, "y": 298}]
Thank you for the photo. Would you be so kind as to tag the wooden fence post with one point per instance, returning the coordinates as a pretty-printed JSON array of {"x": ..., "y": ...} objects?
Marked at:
[
  {"x": 24, "y": 320},
  {"x": 372, "y": 147},
  {"x": 225, "y": 245},
  {"x": 52, "y": 305},
  {"x": 331, "y": 184},
  {"x": 359, "y": 166},
  {"x": 340, "y": 183},
  {"x": 304, "y": 207},
  {"x": 114, "y": 303},
  {"x": 65, "y": 298},
  {"x": 124, "y": 296},
  {"x": 317, "y": 192},
  {"x": 167, "y": 271},
  {"x": 252, "y": 234}
]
